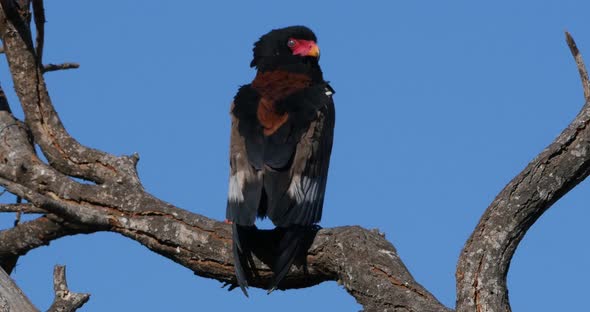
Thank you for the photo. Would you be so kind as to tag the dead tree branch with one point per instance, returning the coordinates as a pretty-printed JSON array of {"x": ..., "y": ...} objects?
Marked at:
[
  {"x": 62, "y": 66},
  {"x": 22, "y": 208},
  {"x": 580, "y": 63},
  {"x": 61, "y": 150},
  {"x": 65, "y": 300},
  {"x": 39, "y": 16},
  {"x": 11, "y": 297},
  {"x": 484, "y": 261},
  {"x": 22, "y": 238}
]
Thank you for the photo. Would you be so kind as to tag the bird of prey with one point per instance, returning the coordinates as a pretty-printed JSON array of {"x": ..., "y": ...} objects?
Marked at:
[{"x": 281, "y": 139}]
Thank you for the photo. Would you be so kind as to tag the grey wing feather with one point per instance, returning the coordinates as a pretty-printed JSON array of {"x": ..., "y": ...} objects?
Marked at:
[
  {"x": 245, "y": 182},
  {"x": 298, "y": 194}
]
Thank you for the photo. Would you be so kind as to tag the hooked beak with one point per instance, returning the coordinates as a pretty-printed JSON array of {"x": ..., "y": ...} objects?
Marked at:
[{"x": 314, "y": 51}]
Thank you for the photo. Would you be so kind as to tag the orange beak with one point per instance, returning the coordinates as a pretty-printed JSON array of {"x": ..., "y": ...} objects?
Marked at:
[{"x": 314, "y": 51}]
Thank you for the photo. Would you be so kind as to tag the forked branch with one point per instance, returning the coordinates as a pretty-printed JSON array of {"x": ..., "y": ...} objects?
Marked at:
[
  {"x": 13, "y": 299},
  {"x": 65, "y": 300}
]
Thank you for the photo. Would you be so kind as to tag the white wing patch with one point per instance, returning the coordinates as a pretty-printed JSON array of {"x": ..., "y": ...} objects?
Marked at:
[
  {"x": 236, "y": 185},
  {"x": 303, "y": 189},
  {"x": 328, "y": 92}
]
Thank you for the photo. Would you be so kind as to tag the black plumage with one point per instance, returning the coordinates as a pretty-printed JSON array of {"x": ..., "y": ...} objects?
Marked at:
[{"x": 281, "y": 140}]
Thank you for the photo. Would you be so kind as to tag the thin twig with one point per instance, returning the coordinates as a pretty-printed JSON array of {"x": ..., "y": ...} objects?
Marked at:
[
  {"x": 23, "y": 208},
  {"x": 19, "y": 200},
  {"x": 580, "y": 63},
  {"x": 39, "y": 14},
  {"x": 63, "y": 66}
]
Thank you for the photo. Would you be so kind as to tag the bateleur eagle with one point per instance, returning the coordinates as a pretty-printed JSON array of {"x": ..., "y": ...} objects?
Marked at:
[{"x": 281, "y": 140}]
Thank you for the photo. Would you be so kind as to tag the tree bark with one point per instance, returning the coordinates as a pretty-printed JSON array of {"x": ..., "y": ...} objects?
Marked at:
[{"x": 11, "y": 297}]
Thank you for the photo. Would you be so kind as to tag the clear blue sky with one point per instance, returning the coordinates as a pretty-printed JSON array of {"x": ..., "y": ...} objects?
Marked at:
[{"x": 439, "y": 104}]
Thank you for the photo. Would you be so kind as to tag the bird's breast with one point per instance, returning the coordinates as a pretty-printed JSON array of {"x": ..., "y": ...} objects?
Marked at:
[
  {"x": 269, "y": 118},
  {"x": 274, "y": 86}
]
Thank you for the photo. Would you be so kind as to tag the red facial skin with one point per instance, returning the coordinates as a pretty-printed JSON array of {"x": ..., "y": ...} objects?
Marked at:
[{"x": 303, "y": 47}]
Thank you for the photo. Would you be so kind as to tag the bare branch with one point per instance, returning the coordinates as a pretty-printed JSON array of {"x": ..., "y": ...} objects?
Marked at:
[
  {"x": 22, "y": 238},
  {"x": 63, "y": 66},
  {"x": 62, "y": 151},
  {"x": 580, "y": 63},
  {"x": 19, "y": 200},
  {"x": 12, "y": 297},
  {"x": 23, "y": 208},
  {"x": 484, "y": 261},
  {"x": 65, "y": 300},
  {"x": 39, "y": 14},
  {"x": 363, "y": 261}
]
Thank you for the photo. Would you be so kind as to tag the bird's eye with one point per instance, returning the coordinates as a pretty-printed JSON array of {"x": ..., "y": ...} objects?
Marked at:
[{"x": 291, "y": 43}]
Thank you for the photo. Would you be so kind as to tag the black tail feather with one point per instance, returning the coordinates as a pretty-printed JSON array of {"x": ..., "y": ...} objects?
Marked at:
[
  {"x": 278, "y": 248},
  {"x": 243, "y": 262},
  {"x": 294, "y": 243},
  {"x": 288, "y": 247}
]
